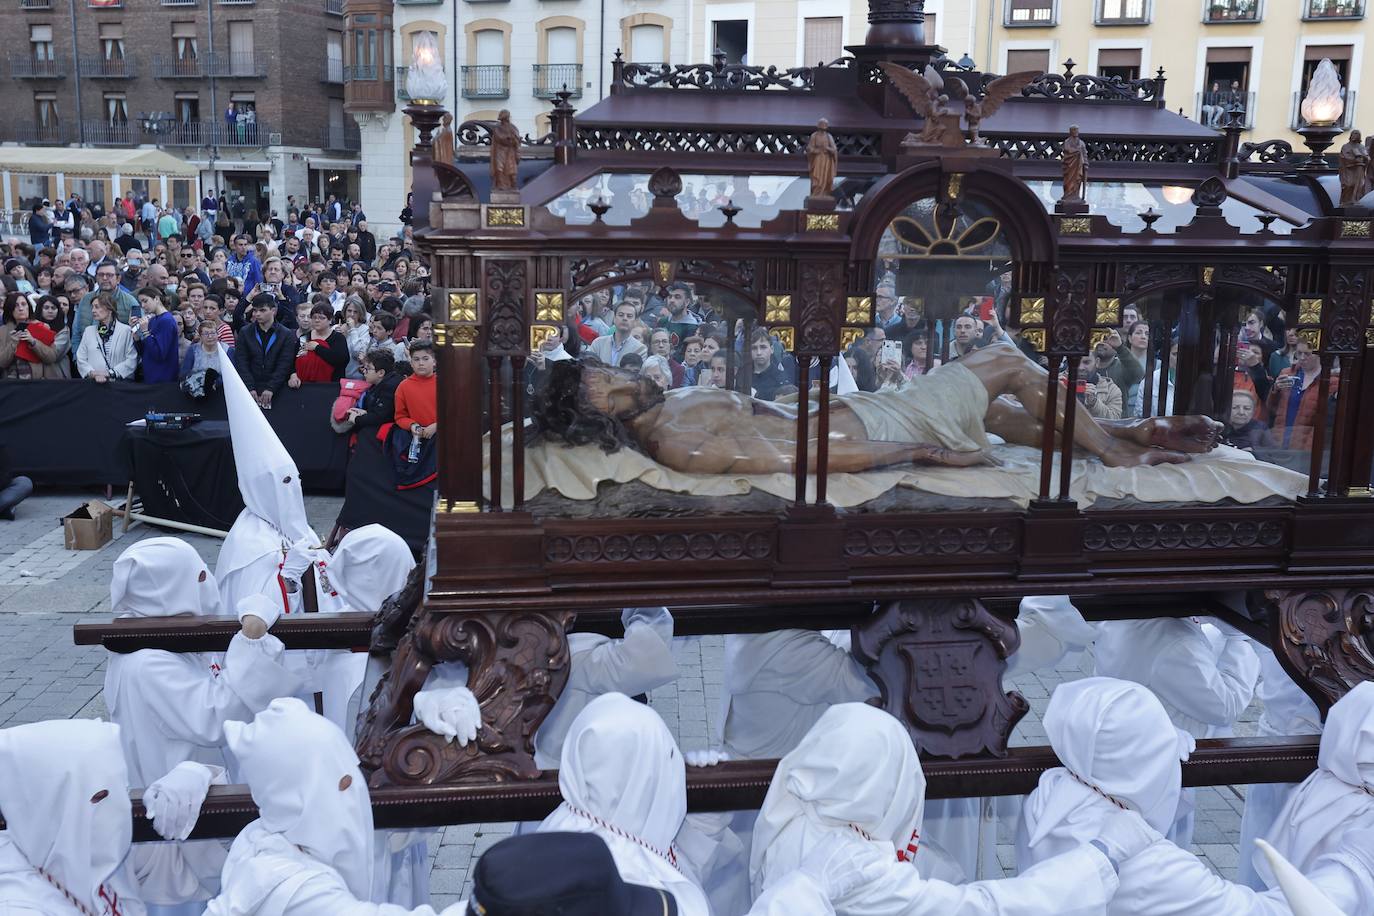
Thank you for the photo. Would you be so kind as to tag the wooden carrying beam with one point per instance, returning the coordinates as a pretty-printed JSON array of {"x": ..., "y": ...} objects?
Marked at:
[
  {"x": 353, "y": 631},
  {"x": 739, "y": 785}
]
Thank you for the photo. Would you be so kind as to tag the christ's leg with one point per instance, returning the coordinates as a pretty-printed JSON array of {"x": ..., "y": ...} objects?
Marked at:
[{"x": 1005, "y": 370}]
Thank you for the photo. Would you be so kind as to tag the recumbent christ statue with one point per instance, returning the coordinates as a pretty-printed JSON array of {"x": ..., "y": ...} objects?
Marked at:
[{"x": 941, "y": 418}]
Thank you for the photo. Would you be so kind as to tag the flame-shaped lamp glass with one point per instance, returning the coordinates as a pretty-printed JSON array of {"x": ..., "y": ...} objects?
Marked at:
[
  {"x": 1323, "y": 105},
  {"x": 425, "y": 80}
]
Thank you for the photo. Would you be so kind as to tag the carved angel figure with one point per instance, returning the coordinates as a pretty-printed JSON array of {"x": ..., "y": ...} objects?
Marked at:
[{"x": 933, "y": 98}]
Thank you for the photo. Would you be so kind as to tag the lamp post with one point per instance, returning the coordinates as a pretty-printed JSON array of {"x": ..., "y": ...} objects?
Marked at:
[
  {"x": 158, "y": 124},
  {"x": 426, "y": 86},
  {"x": 1321, "y": 110}
]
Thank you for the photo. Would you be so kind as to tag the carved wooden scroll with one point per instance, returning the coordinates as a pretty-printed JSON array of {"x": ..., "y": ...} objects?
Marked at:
[
  {"x": 938, "y": 665},
  {"x": 1323, "y": 638},
  {"x": 518, "y": 665}
]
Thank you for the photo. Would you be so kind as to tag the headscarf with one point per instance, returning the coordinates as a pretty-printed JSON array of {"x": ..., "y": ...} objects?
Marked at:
[
  {"x": 304, "y": 778},
  {"x": 162, "y": 577},
  {"x": 370, "y": 565},
  {"x": 623, "y": 778},
  {"x": 65, "y": 799},
  {"x": 856, "y": 772},
  {"x": 1118, "y": 748},
  {"x": 1338, "y": 795}
]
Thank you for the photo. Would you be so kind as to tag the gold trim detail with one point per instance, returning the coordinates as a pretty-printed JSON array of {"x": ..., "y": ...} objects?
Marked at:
[
  {"x": 440, "y": 335},
  {"x": 465, "y": 335},
  {"x": 1108, "y": 312},
  {"x": 462, "y": 305},
  {"x": 1369, "y": 337},
  {"x": 777, "y": 309},
  {"x": 1355, "y": 228},
  {"x": 537, "y": 338},
  {"x": 822, "y": 222},
  {"x": 955, "y": 187},
  {"x": 858, "y": 310},
  {"x": 1099, "y": 336},
  {"x": 457, "y": 505},
  {"x": 1309, "y": 311},
  {"x": 1313, "y": 336},
  {"x": 1032, "y": 310},
  {"x": 1075, "y": 225},
  {"x": 548, "y": 306},
  {"x": 787, "y": 336},
  {"x": 848, "y": 336},
  {"x": 1207, "y": 274},
  {"x": 506, "y": 216},
  {"x": 1035, "y": 337},
  {"x": 1359, "y": 492},
  {"x": 663, "y": 271}
]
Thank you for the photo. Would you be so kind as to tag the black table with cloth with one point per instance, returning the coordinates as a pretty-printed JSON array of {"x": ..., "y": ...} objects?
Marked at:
[
  {"x": 64, "y": 432},
  {"x": 186, "y": 475}
]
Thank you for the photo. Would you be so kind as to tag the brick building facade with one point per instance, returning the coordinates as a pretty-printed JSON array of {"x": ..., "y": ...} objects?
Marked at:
[{"x": 124, "y": 74}]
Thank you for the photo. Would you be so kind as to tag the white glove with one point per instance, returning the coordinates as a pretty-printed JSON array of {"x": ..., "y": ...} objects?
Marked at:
[
  {"x": 174, "y": 801},
  {"x": 1125, "y": 834},
  {"x": 840, "y": 868},
  {"x": 449, "y": 711},
  {"x": 658, "y": 619},
  {"x": 298, "y": 559},
  {"x": 261, "y": 607},
  {"x": 706, "y": 757}
]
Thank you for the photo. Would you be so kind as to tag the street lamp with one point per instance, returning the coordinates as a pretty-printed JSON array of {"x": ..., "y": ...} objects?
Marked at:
[
  {"x": 1321, "y": 110},
  {"x": 159, "y": 123}
]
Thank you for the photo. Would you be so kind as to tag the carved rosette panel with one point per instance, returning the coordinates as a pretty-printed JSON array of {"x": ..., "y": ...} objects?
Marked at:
[
  {"x": 671, "y": 547},
  {"x": 821, "y": 291},
  {"x": 1219, "y": 535},
  {"x": 938, "y": 665},
  {"x": 1269, "y": 282},
  {"x": 1345, "y": 318},
  {"x": 518, "y": 666},
  {"x": 506, "y": 285},
  {"x": 945, "y": 541},
  {"x": 1073, "y": 311},
  {"x": 1325, "y": 637}
]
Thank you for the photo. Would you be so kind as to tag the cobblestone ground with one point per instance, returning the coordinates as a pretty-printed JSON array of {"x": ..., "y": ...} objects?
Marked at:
[{"x": 44, "y": 589}]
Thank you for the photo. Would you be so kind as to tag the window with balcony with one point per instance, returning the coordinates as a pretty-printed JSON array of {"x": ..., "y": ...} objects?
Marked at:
[
  {"x": 823, "y": 39},
  {"x": 111, "y": 62},
  {"x": 368, "y": 74},
  {"x": 1334, "y": 9},
  {"x": 333, "y": 57},
  {"x": 1226, "y": 88},
  {"x": 489, "y": 77},
  {"x": 113, "y": 128},
  {"x": 1030, "y": 12},
  {"x": 46, "y": 126},
  {"x": 40, "y": 42},
  {"x": 112, "y": 41},
  {"x": 1223, "y": 11},
  {"x": 1123, "y": 12},
  {"x": 241, "y": 61},
  {"x": 35, "y": 4},
  {"x": 39, "y": 61},
  {"x": 562, "y": 69}
]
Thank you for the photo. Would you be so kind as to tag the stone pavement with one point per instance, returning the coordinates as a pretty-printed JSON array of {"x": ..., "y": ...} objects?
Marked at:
[{"x": 44, "y": 589}]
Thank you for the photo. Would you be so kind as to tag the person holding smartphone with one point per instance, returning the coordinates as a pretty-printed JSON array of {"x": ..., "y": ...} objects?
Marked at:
[{"x": 1293, "y": 401}]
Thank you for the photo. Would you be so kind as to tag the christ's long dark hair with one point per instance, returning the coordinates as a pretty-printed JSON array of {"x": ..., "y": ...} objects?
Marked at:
[{"x": 561, "y": 411}]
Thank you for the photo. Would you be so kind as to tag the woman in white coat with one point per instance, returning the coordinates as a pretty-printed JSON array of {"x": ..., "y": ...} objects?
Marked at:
[
  {"x": 309, "y": 853},
  {"x": 106, "y": 350},
  {"x": 1121, "y": 751},
  {"x": 171, "y": 707},
  {"x": 855, "y": 783}
]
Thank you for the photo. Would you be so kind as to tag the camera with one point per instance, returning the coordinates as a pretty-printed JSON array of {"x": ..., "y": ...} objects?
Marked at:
[{"x": 21, "y": 326}]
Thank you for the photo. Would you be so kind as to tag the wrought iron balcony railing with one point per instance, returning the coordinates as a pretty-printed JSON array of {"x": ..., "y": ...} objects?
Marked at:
[
  {"x": 486, "y": 81},
  {"x": 108, "y": 68},
  {"x": 552, "y": 78},
  {"x": 28, "y": 67}
]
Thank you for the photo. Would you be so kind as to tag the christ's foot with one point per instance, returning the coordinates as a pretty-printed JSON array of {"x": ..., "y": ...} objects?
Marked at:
[
  {"x": 1185, "y": 434},
  {"x": 1125, "y": 455}
]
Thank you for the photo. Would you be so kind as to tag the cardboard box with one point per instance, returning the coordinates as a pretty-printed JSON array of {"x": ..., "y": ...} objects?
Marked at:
[{"x": 89, "y": 527}]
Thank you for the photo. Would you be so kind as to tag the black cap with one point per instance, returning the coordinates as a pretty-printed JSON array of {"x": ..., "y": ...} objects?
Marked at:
[{"x": 559, "y": 874}]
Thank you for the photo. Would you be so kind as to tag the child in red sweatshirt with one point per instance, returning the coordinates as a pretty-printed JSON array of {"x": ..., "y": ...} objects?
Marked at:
[{"x": 417, "y": 398}]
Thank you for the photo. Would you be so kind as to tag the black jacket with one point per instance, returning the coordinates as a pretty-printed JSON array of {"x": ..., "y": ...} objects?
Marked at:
[
  {"x": 380, "y": 403},
  {"x": 265, "y": 368}
]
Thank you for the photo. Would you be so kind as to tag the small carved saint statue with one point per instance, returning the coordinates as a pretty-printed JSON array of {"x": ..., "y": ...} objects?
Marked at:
[
  {"x": 505, "y": 154},
  {"x": 1354, "y": 170},
  {"x": 442, "y": 142},
  {"x": 1074, "y": 159},
  {"x": 821, "y": 159}
]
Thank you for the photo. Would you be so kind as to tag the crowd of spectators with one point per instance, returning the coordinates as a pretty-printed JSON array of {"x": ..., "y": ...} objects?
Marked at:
[{"x": 146, "y": 293}]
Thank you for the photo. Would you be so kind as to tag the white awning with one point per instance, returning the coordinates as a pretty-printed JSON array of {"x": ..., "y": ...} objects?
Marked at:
[{"x": 39, "y": 160}]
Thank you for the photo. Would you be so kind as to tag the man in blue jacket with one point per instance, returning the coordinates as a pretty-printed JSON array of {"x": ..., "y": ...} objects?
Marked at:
[{"x": 244, "y": 265}]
